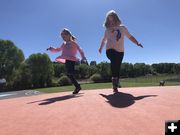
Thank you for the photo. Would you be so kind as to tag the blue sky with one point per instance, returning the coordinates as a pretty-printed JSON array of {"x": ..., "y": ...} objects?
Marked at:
[{"x": 34, "y": 25}]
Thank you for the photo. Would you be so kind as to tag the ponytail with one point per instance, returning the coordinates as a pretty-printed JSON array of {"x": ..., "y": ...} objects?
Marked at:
[{"x": 73, "y": 37}]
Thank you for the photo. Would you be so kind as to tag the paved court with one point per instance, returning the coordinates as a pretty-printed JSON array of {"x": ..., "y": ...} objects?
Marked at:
[{"x": 133, "y": 111}]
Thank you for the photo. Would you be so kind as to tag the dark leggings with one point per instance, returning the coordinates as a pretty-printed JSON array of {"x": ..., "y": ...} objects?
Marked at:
[
  {"x": 69, "y": 65},
  {"x": 116, "y": 60}
]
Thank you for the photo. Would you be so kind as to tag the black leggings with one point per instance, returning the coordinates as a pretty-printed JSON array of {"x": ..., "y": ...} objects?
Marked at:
[
  {"x": 69, "y": 65},
  {"x": 116, "y": 60}
]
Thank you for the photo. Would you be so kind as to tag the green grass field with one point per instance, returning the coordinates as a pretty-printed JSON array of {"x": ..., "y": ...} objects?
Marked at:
[{"x": 127, "y": 82}]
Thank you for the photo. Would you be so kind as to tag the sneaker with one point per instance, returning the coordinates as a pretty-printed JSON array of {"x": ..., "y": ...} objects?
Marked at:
[{"x": 76, "y": 91}]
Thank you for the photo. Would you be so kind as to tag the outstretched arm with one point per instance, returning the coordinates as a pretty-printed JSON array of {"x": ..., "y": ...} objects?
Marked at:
[
  {"x": 103, "y": 42},
  {"x": 52, "y": 49},
  {"x": 133, "y": 39}
]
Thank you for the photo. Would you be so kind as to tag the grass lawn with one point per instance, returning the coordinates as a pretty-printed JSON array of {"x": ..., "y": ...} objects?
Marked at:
[{"x": 127, "y": 82}]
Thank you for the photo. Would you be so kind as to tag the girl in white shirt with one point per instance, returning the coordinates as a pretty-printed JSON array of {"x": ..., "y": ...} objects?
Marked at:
[{"x": 114, "y": 40}]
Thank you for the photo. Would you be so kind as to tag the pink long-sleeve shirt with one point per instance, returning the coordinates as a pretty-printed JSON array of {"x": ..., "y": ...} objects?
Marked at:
[{"x": 69, "y": 51}]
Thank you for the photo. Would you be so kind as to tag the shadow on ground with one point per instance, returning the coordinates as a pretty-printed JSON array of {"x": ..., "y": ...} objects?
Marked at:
[
  {"x": 121, "y": 100},
  {"x": 56, "y": 99}
]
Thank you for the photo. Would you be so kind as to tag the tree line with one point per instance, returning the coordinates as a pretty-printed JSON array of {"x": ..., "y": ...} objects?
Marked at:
[{"x": 38, "y": 71}]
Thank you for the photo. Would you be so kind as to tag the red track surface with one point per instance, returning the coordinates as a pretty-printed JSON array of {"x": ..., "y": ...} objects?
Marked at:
[{"x": 134, "y": 111}]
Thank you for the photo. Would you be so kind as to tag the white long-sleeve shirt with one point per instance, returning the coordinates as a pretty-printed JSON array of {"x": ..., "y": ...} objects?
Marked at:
[{"x": 114, "y": 38}]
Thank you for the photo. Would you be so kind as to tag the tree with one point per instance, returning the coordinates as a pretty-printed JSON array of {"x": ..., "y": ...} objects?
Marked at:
[
  {"x": 92, "y": 70},
  {"x": 10, "y": 59},
  {"x": 163, "y": 67},
  {"x": 22, "y": 78},
  {"x": 139, "y": 69},
  {"x": 59, "y": 69},
  {"x": 41, "y": 69},
  {"x": 176, "y": 69},
  {"x": 83, "y": 71},
  {"x": 126, "y": 70}
]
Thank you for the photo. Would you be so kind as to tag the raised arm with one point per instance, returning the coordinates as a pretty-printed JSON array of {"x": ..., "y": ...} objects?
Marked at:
[
  {"x": 132, "y": 38},
  {"x": 103, "y": 42},
  {"x": 58, "y": 49}
]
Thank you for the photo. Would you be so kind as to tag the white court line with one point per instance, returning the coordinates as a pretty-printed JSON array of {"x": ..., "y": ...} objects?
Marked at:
[{"x": 5, "y": 95}]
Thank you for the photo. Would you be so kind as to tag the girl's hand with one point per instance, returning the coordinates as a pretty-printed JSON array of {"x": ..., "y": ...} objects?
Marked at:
[
  {"x": 100, "y": 50},
  {"x": 139, "y": 44},
  {"x": 49, "y": 48},
  {"x": 84, "y": 61}
]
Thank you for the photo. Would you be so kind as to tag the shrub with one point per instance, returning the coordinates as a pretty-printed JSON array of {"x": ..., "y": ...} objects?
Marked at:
[
  {"x": 96, "y": 78},
  {"x": 64, "y": 80},
  {"x": 105, "y": 71}
]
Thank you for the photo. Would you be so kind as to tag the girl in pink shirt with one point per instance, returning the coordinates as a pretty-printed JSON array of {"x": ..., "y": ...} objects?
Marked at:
[
  {"x": 114, "y": 40},
  {"x": 69, "y": 50}
]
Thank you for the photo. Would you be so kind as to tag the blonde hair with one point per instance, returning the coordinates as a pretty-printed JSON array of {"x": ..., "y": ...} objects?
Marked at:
[
  {"x": 115, "y": 17},
  {"x": 68, "y": 32}
]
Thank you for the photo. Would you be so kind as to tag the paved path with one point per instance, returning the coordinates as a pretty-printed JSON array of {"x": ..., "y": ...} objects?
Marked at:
[{"x": 133, "y": 111}]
